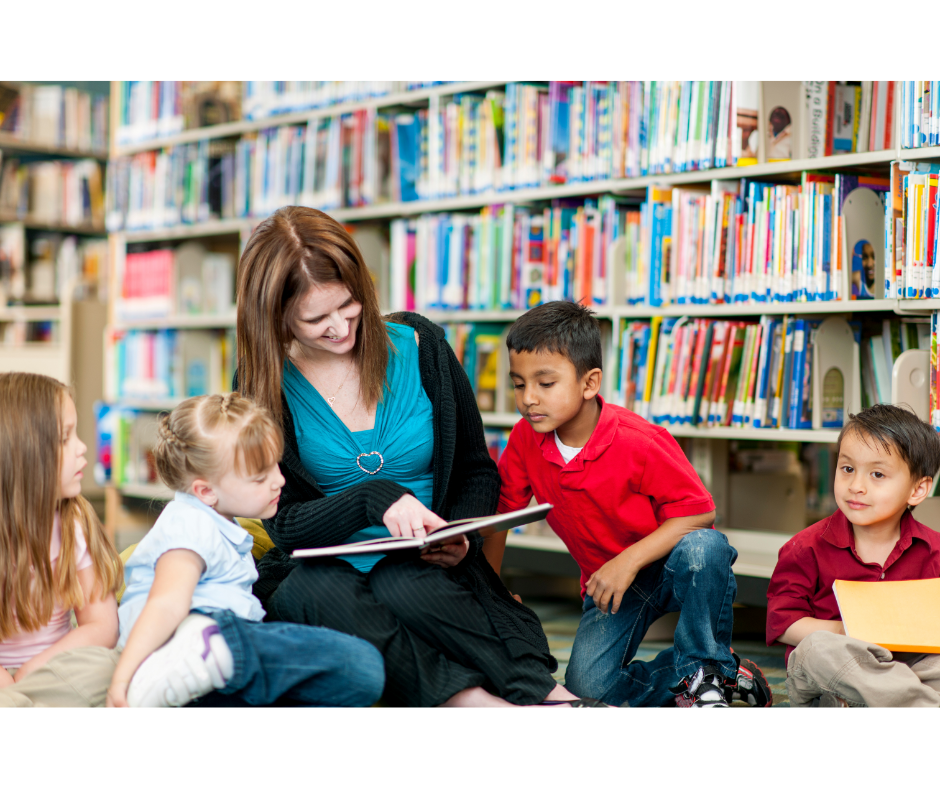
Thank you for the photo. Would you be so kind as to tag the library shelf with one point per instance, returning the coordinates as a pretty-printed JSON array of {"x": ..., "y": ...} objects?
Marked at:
[
  {"x": 52, "y": 227},
  {"x": 156, "y": 492},
  {"x": 10, "y": 142},
  {"x": 29, "y": 314},
  {"x": 757, "y": 550},
  {"x": 156, "y": 405},
  {"x": 226, "y": 320},
  {"x": 902, "y": 306},
  {"x": 621, "y": 186},
  {"x": 236, "y": 128},
  {"x": 509, "y": 420},
  {"x": 180, "y": 231}
]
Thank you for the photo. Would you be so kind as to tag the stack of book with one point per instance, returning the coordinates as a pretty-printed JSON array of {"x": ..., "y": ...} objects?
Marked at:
[
  {"x": 168, "y": 363},
  {"x": 746, "y": 373},
  {"x": 153, "y": 109},
  {"x": 56, "y": 116},
  {"x": 741, "y": 241},
  {"x": 62, "y": 192},
  {"x": 505, "y": 257}
]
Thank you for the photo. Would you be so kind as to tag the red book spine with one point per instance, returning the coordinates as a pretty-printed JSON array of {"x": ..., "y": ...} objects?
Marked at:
[{"x": 830, "y": 116}]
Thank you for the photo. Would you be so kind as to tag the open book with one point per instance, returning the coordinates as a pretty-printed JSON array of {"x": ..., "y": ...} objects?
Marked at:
[
  {"x": 901, "y": 615},
  {"x": 498, "y": 522}
]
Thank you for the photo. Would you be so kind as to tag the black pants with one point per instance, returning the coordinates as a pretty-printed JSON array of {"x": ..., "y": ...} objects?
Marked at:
[{"x": 434, "y": 635}]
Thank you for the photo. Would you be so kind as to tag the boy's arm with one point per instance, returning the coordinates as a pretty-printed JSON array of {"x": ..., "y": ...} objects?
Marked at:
[
  {"x": 806, "y": 626},
  {"x": 610, "y": 582},
  {"x": 792, "y": 587},
  {"x": 97, "y": 625},
  {"x": 515, "y": 492},
  {"x": 175, "y": 577}
]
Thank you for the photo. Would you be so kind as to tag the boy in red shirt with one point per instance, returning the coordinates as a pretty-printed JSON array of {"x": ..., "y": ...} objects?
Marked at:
[
  {"x": 635, "y": 517},
  {"x": 887, "y": 457}
]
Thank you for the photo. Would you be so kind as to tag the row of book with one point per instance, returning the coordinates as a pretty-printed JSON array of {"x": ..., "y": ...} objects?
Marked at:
[
  {"x": 19, "y": 333},
  {"x": 740, "y": 241},
  {"x": 35, "y": 267},
  {"x": 920, "y": 113},
  {"x": 168, "y": 363},
  {"x": 53, "y": 115},
  {"x": 745, "y": 373},
  {"x": 505, "y": 257},
  {"x": 153, "y": 109},
  {"x": 65, "y": 192},
  {"x": 912, "y": 221},
  {"x": 184, "y": 280}
]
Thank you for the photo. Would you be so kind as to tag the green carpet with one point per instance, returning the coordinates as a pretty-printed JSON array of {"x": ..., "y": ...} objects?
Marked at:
[{"x": 560, "y": 622}]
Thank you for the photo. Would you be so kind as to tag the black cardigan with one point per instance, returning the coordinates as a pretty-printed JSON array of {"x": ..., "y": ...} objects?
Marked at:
[{"x": 465, "y": 484}]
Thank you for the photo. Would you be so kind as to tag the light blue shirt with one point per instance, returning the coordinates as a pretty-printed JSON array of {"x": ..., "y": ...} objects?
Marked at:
[{"x": 187, "y": 523}]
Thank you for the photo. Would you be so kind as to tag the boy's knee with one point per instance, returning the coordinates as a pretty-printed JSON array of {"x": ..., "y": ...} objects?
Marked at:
[
  {"x": 370, "y": 669},
  {"x": 705, "y": 549}
]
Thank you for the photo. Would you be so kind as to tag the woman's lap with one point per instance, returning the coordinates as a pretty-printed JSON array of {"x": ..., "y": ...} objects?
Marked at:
[{"x": 434, "y": 634}]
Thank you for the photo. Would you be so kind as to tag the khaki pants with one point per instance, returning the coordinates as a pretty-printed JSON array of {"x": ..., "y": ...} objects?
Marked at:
[
  {"x": 78, "y": 678},
  {"x": 827, "y": 668}
]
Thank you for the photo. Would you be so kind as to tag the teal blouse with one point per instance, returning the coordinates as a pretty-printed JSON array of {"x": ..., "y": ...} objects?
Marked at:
[{"x": 400, "y": 447}]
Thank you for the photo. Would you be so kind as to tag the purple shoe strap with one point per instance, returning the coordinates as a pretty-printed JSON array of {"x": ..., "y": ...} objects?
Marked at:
[{"x": 207, "y": 633}]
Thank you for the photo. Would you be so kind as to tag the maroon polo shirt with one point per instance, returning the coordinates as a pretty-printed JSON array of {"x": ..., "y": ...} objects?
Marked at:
[
  {"x": 630, "y": 477},
  {"x": 817, "y": 556}
]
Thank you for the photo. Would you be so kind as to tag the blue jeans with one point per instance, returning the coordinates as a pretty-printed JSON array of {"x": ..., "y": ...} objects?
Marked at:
[
  {"x": 696, "y": 580},
  {"x": 297, "y": 665}
]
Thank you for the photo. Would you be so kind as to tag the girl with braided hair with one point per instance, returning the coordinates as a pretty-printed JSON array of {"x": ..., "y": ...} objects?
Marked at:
[{"x": 190, "y": 625}]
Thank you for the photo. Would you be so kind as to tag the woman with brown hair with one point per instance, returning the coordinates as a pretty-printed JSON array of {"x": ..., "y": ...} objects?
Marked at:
[{"x": 382, "y": 435}]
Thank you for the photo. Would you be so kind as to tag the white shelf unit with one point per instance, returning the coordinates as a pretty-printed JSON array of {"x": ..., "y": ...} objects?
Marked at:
[{"x": 757, "y": 549}]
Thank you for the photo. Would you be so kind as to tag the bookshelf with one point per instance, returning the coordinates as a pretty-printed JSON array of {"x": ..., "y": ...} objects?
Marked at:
[
  {"x": 53, "y": 245},
  {"x": 757, "y": 548}
]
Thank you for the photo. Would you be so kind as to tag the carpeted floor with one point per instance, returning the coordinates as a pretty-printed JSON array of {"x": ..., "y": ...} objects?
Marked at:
[{"x": 560, "y": 622}]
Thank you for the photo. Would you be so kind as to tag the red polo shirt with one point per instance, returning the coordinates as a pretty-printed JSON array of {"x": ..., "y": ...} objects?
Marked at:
[
  {"x": 629, "y": 478},
  {"x": 812, "y": 560}
]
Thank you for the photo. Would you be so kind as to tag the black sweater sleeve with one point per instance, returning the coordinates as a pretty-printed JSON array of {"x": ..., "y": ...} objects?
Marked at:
[{"x": 473, "y": 490}]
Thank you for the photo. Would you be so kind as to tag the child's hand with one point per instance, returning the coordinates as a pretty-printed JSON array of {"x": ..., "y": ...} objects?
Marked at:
[
  {"x": 6, "y": 680},
  {"x": 610, "y": 582},
  {"x": 447, "y": 554},
  {"x": 117, "y": 695}
]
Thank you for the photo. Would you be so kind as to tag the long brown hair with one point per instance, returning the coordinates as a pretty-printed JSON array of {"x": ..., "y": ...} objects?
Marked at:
[
  {"x": 189, "y": 440},
  {"x": 291, "y": 251},
  {"x": 30, "y": 468}
]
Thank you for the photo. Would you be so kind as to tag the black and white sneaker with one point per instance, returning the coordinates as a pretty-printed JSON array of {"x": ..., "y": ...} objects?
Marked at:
[
  {"x": 751, "y": 686},
  {"x": 704, "y": 689}
]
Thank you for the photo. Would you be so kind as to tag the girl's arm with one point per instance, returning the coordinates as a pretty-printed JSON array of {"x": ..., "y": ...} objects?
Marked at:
[
  {"x": 5, "y": 678},
  {"x": 175, "y": 577},
  {"x": 97, "y": 625}
]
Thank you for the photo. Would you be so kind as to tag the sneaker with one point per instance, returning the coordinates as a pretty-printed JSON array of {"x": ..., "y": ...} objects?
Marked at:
[
  {"x": 751, "y": 686},
  {"x": 704, "y": 689},
  {"x": 192, "y": 663}
]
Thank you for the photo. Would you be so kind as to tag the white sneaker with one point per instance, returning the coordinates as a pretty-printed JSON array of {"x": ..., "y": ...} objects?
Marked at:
[{"x": 190, "y": 664}]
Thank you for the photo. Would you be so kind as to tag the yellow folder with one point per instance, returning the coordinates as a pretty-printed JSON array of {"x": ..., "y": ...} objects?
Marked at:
[{"x": 901, "y": 615}]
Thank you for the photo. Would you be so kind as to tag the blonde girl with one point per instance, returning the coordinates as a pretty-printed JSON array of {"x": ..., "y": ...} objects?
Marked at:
[
  {"x": 55, "y": 558},
  {"x": 189, "y": 581}
]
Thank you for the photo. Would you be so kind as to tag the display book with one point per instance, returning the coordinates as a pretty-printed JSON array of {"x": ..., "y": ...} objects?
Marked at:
[
  {"x": 497, "y": 522},
  {"x": 895, "y": 614}
]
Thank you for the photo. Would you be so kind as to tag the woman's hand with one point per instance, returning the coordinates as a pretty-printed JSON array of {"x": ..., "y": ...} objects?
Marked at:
[
  {"x": 409, "y": 517},
  {"x": 447, "y": 554}
]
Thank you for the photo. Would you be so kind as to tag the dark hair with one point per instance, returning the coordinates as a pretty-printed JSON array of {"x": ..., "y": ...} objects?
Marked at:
[
  {"x": 916, "y": 441},
  {"x": 559, "y": 327}
]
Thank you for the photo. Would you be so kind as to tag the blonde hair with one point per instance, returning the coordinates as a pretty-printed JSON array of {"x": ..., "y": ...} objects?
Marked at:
[
  {"x": 188, "y": 445},
  {"x": 30, "y": 470},
  {"x": 291, "y": 251}
]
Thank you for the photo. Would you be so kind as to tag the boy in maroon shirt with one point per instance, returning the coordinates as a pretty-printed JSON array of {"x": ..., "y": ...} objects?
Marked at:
[
  {"x": 635, "y": 517},
  {"x": 887, "y": 457}
]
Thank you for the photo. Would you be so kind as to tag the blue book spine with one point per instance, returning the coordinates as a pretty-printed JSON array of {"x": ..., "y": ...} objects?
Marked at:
[
  {"x": 830, "y": 292},
  {"x": 763, "y": 373},
  {"x": 796, "y": 385}
]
